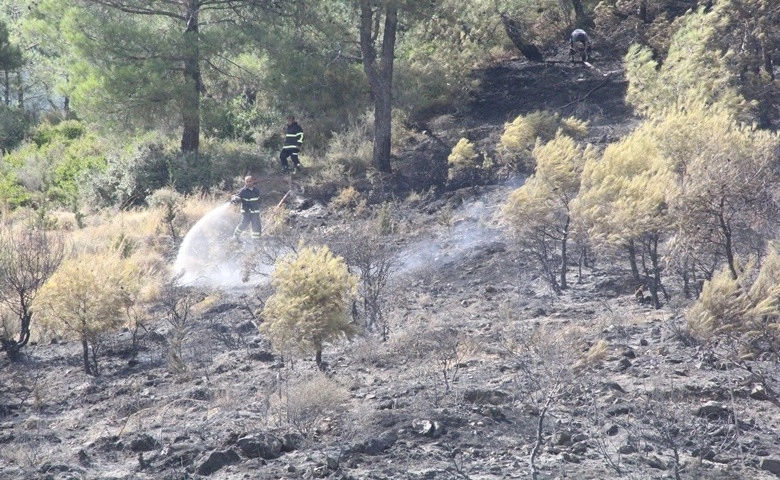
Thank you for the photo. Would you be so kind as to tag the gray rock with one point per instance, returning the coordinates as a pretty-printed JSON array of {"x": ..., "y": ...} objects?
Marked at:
[
  {"x": 771, "y": 465},
  {"x": 292, "y": 442},
  {"x": 580, "y": 448},
  {"x": 485, "y": 397},
  {"x": 561, "y": 438},
  {"x": 571, "y": 458},
  {"x": 620, "y": 409},
  {"x": 378, "y": 445},
  {"x": 713, "y": 411},
  {"x": 622, "y": 365},
  {"x": 263, "y": 445},
  {"x": 216, "y": 460},
  {"x": 429, "y": 428},
  {"x": 758, "y": 392},
  {"x": 655, "y": 462},
  {"x": 627, "y": 449},
  {"x": 142, "y": 442}
]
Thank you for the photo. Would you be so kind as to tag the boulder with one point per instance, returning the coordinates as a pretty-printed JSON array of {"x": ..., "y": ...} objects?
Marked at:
[
  {"x": 263, "y": 445},
  {"x": 216, "y": 460},
  {"x": 771, "y": 465}
]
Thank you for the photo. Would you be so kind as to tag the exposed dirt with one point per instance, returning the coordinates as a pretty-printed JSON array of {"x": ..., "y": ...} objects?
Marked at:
[{"x": 486, "y": 374}]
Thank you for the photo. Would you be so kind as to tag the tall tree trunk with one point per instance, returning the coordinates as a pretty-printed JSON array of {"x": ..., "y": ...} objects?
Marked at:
[
  {"x": 7, "y": 89},
  {"x": 190, "y": 108},
  {"x": 380, "y": 76},
  {"x": 581, "y": 19},
  {"x": 20, "y": 90}
]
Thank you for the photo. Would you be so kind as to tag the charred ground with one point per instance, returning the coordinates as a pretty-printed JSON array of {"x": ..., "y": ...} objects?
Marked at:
[{"x": 484, "y": 370}]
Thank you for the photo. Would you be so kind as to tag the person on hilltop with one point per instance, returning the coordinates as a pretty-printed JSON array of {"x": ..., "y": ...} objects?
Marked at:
[
  {"x": 579, "y": 45},
  {"x": 249, "y": 198},
  {"x": 293, "y": 141}
]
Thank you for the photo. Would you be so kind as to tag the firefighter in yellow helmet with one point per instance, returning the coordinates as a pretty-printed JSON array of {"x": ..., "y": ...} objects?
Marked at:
[{"x": 249, "y": 198}]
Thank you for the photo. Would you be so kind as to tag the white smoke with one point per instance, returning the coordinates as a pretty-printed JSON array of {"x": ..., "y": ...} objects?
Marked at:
[{"x": 208, "y": 256}]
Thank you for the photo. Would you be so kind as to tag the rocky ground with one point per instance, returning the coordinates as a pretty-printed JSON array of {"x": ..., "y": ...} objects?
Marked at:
[{"x": 485, "y": 373}]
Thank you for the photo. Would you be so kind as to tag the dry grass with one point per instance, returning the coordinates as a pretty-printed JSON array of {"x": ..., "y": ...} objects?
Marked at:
[
  {"x": 348, "y": 198},
  {"x": 594, "y": 356},
  {"x": 310, "y": 400}
]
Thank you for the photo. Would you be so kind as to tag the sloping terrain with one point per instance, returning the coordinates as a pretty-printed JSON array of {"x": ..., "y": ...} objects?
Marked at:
[{"x": 485, "y": 373}]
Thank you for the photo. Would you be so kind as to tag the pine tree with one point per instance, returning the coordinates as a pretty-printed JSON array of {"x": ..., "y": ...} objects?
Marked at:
[{"x": 311, "y": 304}]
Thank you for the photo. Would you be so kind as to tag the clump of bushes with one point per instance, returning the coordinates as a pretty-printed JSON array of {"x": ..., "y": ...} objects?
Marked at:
[{"x": 746, "y": 307}]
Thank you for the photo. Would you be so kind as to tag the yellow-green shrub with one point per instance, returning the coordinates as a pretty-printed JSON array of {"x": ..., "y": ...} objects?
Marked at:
[
  {"x": 462, "y": 157},
  {"x": 86, "y": 298},
  {"x": 311, "y": 304},
  {"x": 520, "y": 136},
  {"x": 747, "y": 306}
]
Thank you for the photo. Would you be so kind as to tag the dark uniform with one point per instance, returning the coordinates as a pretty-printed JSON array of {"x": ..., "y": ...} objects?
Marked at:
[
  {"x": 579, "y": 44},
  {"x": 249, "y": 198},
  {"x": 293, "y": 141}
]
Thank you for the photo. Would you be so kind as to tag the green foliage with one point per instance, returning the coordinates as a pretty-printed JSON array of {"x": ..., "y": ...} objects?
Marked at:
[
  {"x": 225, "y": 160},
  {"x": 463, "y": 155},
  {"x": 169, "y": 202},
  {"x": 53, "y": 168},
  {"x": 724, "y": 174},
  {"x": 695, "y": 72},
  {"x": 311, "y": 303},
  {"x": 153, "y": 162},
  {"x": 520, "y": 136},
  {"x": 12, "y": 192},
  {"x": 85, "y": 298},
  {"x": 539, "y": 212},
  {"x": 10, "y": 54},
  {"x": 747, "y": 306},
  {"x": 349, "y": 151},
  {"x": 238, "y": 119},
  {"x": 13, "y": 127},
  {"x": 47, "y": 133},
  {"x": 625, "y": 194}
]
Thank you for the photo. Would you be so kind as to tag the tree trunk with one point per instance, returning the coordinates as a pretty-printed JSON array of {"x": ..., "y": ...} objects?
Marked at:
[
  {"x": 94, "y": 358},
  {"x": 581, "y": 19},
  {"x": 564, "y": 259},
  {"x": 85, "y": 356},
  {"x": 318, "y": 358},
  {"x": 725, "y": 229},
  {"x": 380, "y": 76},
  {"x": 655, "y": 272},
  {"x": 513, "y": 31},
  {"x": 7, "y": 89},
  {"x": 19, "y": 91},
  {"x": 190, "y": 102},
  {"x": 632, "y": 261}
]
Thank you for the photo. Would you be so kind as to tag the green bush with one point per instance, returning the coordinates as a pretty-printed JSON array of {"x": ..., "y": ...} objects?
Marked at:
[
  {"x": 746, "y": 307},
  {"x": 311, "y": 305},
  {"x": 85, "y": 298},
  {"x": 13, "y": 127},
  {"x": 520, "y": 136},
  {"x": 47, "y": 133},
  {"x": 131, "y": 175}
]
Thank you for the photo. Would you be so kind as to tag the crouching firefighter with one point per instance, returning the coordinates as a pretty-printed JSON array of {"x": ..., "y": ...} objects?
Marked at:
[
  {"x": 249, "y": 198},
  {"x": 579, "y": 45}
]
